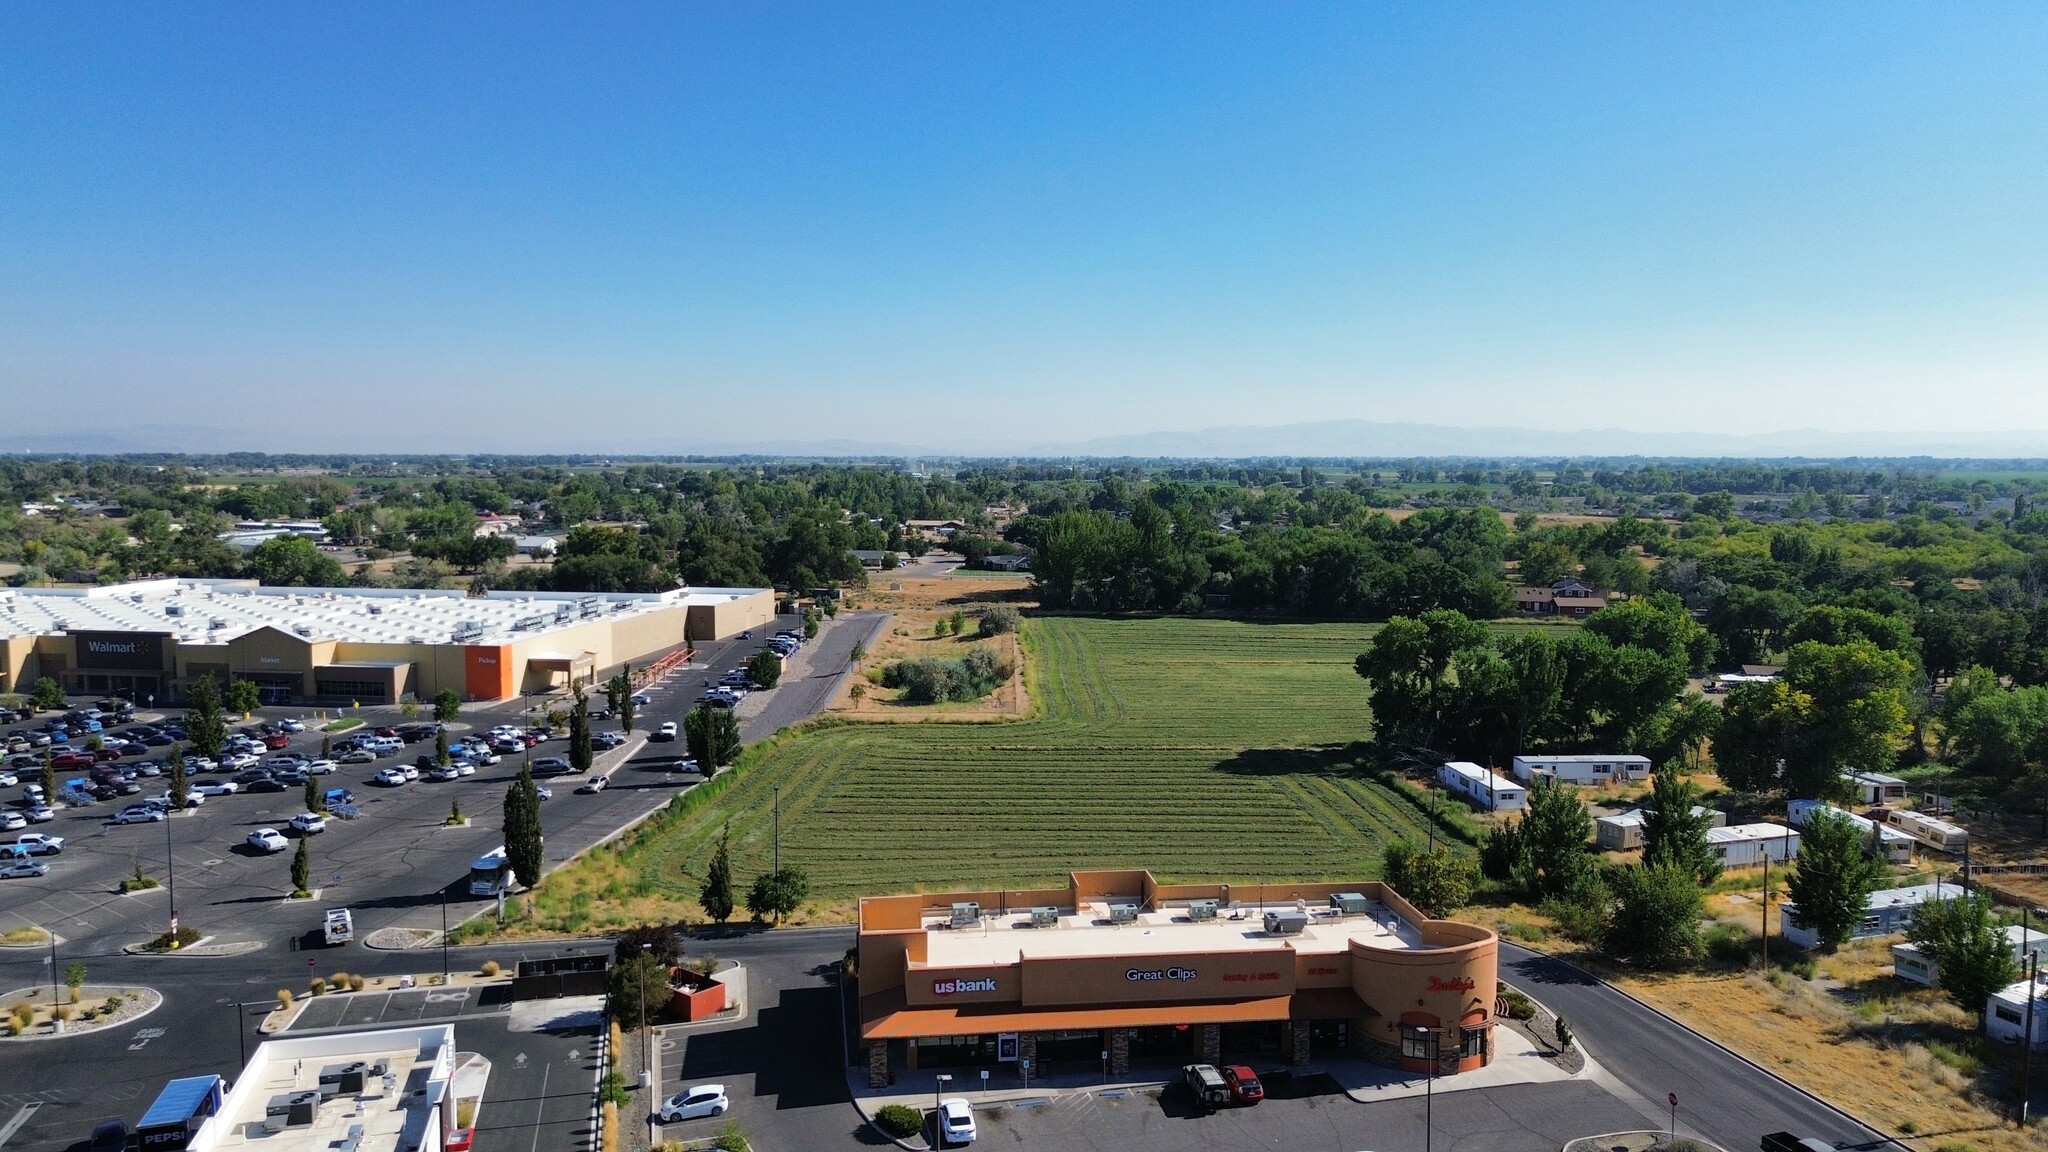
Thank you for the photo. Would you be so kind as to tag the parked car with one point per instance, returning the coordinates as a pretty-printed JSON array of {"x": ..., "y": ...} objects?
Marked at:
[
  {"x": 443, "y": 773},
  {"x": 38, "y": 844},
  {"x": 955, "y": 1121},
  {"x": 23, "y": 869},
  {"x": 692, "y": 1103},
  {"x": 318, "y": 767},
  {"x": 217, "y": 788},
  {"x": 1245, "y": 1088},
  {"x": 1206, "y": 1085},
  {"x": 292, "y": 724},
  {"x": 139, "y": 814},
  {"x": 358, "y": 756},
  {"x": 11, "y": 820},
  {"x": 268, "y": 840},
  {"x": 309, "y": 823},
  {"x": 552, "y": 766},
  {"x": 389, "y": 777},
  {"x": 39, "y": 813}
]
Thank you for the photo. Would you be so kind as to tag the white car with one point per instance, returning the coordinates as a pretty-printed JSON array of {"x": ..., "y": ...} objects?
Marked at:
[
  {"x": 359, "y": 756},
  {"x": 268, "y": 840},
  {"x": 464, "y": 768},
  {"x": 666, "y": 731},
  {"x": 442, "y": 773},
  {"x": 193, "y": 798},
  {"x": 240, "y": 761},
  {"x": 291, "y": 725},
  {"x": 410, "y": 771},
  {"x": 318, "y": 767},
  {"x": 596, "y": 784},
  {"x": 217, "y": 788},
  {"x": 139, "y": 814},
  {"x": 691, "y": 1103},
  {"x": 195, "y": 764},
  {"x": 389, "y": 777},
  {"x": 955, "y": 1121},
  {"x": 39, "y": 813},
  {"x": 309, "y": 823},
  {"x": 11, "y": 820}
]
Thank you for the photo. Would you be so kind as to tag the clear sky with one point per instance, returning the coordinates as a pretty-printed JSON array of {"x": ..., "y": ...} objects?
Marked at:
[{"x": 576, "y": 225}]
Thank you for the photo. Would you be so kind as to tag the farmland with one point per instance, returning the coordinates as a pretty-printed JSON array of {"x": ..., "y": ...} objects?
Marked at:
[{"x": 1198, "y": 748}]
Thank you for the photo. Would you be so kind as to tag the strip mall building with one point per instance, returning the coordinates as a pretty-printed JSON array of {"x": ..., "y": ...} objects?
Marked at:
[
  {"x": 343, "y": 645},
  {"x": 1117, "y": 967}
]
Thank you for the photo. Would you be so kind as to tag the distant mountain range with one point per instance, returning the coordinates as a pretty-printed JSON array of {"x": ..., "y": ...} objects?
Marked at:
[{"x": 1324, "y": 438}]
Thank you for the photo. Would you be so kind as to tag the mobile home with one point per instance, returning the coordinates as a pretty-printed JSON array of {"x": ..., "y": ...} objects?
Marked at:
[
  {"x": 1887, "y": 911},
  {"x": 1593, "y": 771},
  {"x": 2006, "y": 1018},
  {"x": 1890, "y": 845},
  {"x": 1939, "y": 835},
  {"x": 1625, "y": 831},
  {"x": 1875, "y": 787},
  {"x": 1914, "y": 967},
  {"x": 1749, "y": 845},
  {"x": 1482, "y": 787}
]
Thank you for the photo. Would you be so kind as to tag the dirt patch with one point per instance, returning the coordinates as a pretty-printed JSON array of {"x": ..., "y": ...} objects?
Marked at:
[{"x": 916, "y": 607}]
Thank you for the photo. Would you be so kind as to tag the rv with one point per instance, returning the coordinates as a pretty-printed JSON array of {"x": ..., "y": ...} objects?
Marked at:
[
  {"x": 1939, "y": 835},
  {"x": 1888, "y": 844}
]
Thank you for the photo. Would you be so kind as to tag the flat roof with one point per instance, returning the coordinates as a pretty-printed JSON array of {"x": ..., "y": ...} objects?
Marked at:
[
  {"x": 1616, "y": 758},
  {"x": 1009, "y": 938},
  {"x": 388, "y": 1115},
  {"x": 1736, "y": 832},
  {"x": 189, "y": 609},
  {"x": 1486, "y": 776}
]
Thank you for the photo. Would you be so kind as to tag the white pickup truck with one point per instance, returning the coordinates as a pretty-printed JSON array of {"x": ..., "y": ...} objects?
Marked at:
[{"x": 339, "y": 927}]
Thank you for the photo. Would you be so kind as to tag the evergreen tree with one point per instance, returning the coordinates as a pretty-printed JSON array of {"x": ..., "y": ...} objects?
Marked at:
[
  {"x": 180, "y": 781},
  {"x": 523, "y": 840},
  {"x": 581, "y": 756},
  {"x": 716, "y": 893},
  {"x": 49, "y": 776},
  {"x": 314, "y": 801},
  {"x": 205, "y": 724},
  {"x": 714, "y": 737},
  {"x": 1832, "y": 883},
  {"x": 1971, "y": 956},
  {"x": 441, "y": 755},
  {"x": 1672, "y": 832},
  {"x": 302, "y": 868}
]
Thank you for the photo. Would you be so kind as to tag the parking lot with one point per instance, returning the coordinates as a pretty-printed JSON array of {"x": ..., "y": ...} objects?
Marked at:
[{"x": 396, "y": 864}]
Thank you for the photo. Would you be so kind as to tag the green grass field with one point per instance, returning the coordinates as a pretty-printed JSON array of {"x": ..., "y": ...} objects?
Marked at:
[{"x": 1197, "y": 748}]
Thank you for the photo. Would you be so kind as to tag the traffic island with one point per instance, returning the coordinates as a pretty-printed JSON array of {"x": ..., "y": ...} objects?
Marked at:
[
  {"x": 1641, "y": 1142},
  {"x": 33, "y": 1014}
]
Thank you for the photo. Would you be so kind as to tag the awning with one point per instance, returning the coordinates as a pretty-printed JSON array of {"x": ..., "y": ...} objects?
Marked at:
[{"x": 975, "y": 1021}]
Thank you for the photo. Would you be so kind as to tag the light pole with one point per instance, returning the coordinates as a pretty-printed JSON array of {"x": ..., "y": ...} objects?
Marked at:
[
  {"x": 938, "y": 1088},
  {"x": 444, "y": 937},
  {"x": 171, "y": 868},
  {"x": 1428, "y": 1090}
]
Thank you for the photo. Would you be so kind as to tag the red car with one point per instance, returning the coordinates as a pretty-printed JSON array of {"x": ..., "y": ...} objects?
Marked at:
[
  {"x": 1245, "y": 1088},
  {"x": 72, "y": 760},
  {"x": 276, "y": 740},
  {"x": 105, "y": 755},
  {"x": 385, "y": 732}
]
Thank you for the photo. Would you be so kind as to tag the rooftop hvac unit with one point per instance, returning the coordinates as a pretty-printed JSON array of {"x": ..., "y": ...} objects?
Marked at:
[
  {"x": 1286, "y": 923},
  {"x": 1123, "y": 913},
  {"x": 1201, "y": 909},
  {"x": 966, "y": 912},
  {"x": 1045, "y": 916},
  {"x": 1350, "y": 903},
  {"x": 174, "y": 609}
]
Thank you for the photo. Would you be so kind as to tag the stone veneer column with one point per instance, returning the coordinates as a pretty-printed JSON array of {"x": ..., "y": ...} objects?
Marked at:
[
  {"x": 1212, "y": 1043},
  {"x": 1119, "y": 1045},
  {"x": 1027, "y": 1053},
  {"x": 1300, "y": 1029},
  {"x": 878, "y": 1063}
]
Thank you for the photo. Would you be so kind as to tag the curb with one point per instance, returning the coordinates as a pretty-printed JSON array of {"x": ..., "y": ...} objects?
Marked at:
[
  {"x": 66, "y": 1035},
  {"x": 1880, "y": 1134}
]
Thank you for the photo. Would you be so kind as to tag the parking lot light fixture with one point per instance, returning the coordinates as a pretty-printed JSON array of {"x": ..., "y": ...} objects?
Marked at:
[{"x": 938, "y": 1090}]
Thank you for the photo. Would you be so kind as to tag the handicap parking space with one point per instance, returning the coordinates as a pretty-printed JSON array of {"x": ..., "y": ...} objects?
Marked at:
[{"x": 398, "y": 1008}]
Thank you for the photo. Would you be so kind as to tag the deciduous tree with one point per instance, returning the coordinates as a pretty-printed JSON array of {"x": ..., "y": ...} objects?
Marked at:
[
  {"x": 1971, "y": 956},
  {"x": 1835, "y": 876}
]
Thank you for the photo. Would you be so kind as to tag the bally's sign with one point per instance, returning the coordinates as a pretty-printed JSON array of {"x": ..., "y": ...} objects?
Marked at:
[
  {"x": 1454, "y": 984},
  {"x": 957, "y": 987},
  {"x": 119, "y": 649}
]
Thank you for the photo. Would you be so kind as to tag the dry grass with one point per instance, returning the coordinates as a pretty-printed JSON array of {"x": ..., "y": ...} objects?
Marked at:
[{"x": 915, "y": 607}]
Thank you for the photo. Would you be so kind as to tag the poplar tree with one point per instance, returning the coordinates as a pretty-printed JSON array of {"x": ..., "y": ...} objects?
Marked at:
[{"x": 523, "y": 841}]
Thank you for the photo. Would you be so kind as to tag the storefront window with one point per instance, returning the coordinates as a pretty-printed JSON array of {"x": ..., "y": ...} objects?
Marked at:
[
  {"x": 1475, "y": 1042},
  {"x": 1418, "y": 1047}
]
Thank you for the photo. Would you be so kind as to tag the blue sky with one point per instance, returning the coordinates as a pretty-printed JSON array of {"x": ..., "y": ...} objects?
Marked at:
[{"x": 528, "y": 227}]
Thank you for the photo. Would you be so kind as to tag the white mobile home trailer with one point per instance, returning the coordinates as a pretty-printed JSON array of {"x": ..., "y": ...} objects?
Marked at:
[
  {"x": 1594, "y": 771},
  {"x": 1914, "y": 967},
  {"x": 1481, "y": 787},
  {"x": 1749, "y": 845},
  {"x": 1887, "y": 911},
  {"x": 2006, "y": 1018},
  {"x": 1876, "y": 787},
  {"x": 1625, "y": 831},
  {"x": 1888, "y": 844},
  {"x": 1939, "y": 835}
]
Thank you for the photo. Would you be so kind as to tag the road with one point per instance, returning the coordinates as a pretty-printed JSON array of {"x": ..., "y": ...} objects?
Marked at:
[{"x": 1721, "y": 1096}]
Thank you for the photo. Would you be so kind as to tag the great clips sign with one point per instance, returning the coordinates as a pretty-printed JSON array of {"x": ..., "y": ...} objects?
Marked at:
[{"x": 139, "y": 650}]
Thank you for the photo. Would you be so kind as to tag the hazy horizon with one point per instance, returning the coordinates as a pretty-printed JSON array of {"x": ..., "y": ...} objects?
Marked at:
[{"x": 932, "y": 225}]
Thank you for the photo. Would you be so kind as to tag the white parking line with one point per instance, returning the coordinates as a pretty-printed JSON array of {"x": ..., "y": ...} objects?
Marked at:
[{"x": 20, "y": 1118}]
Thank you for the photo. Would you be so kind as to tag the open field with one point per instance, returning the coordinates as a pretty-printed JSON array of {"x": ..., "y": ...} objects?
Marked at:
[{"x": 1198, "y": 748}]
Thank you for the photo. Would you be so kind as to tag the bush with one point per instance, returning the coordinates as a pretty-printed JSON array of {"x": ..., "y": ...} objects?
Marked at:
[
  {"x": 899, "y": 1120},
  {"x": 1727, "y": 944},
  {"x": 355, "y": 983},
  {"x": 612, "y": 1089},
  {"x": 998, "y": 620},
  {"x": 164, "y": 943},
  {"x": 1519, "y": 1007},
  {"x": 491, "y": 968},
  {"x": 284, "y": 998},
  {"x": 732, "y": 1139},
  {"x": 317, "y": 985},
  {"x": 939, "y": 681}
]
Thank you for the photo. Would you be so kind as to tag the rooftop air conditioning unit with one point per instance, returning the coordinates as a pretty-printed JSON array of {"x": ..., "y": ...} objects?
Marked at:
[
  {"x": 1201, "y": 909},
  {"x": 174, "y": 609},
  {"x": 966, "y": 912},
  {"x": 1350, "y": 903},
  {"x": 1123, "y": 913},
  {"x": 1286, "y": 923},
  {"x": 1045, "y": 916}
]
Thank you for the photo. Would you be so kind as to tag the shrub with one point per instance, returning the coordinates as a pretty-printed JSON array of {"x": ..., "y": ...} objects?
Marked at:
[
  {"x": 732, "y": 1139},
  {"x": 1519, "y": 1007},
  {"x": 1727, "y": 944},
  {"x": 899, "y": 1120},
  {"x": 114, "y": 1002},
  {"x": 164, "y": 943},
  {"x": 490, "y": 968},
  {"x": 284, "y": 998},
  {"x": 608, "y": 1125},
  {"x": 355, "y": 983},
  {"x": 998, "y": 620},
  {"x": 612, "y": 1089},
  {"x": 938, "y": 681},
  {"x": 317, "y": 985}
]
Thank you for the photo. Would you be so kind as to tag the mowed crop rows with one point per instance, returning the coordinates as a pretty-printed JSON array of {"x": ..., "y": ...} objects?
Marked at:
[{"x": 1196, "y": 748}]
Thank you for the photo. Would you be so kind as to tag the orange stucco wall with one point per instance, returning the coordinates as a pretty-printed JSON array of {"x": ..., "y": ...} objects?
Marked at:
[{"x": 487, "y": 671}]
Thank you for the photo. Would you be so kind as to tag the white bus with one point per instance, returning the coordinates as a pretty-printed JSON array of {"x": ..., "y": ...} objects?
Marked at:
[{"x": 491, "y": 875}]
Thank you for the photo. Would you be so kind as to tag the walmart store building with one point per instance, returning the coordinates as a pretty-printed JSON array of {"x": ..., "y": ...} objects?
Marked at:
[
  {"x": 339, "y": 645},
  {"x": 1117, "y": 967}
]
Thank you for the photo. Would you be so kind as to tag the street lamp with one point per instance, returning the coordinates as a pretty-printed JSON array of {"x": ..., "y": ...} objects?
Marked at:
[
  {"x": 938, "y": 1089},
  {"x": 1429, "y": 1090}
]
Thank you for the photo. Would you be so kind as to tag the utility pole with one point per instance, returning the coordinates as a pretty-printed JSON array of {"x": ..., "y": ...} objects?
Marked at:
[
  {"x": 444, "y": 937},
  {"x": 2026, "y": 1043},
  {"x": 171, "y": 869},
  {"x": 1764, "y": 943},
  {"x": 778, "y": 831}
]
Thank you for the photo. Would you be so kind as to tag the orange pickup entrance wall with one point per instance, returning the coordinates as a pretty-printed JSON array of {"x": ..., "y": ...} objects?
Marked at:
[{"x": 487, "y": 671}]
